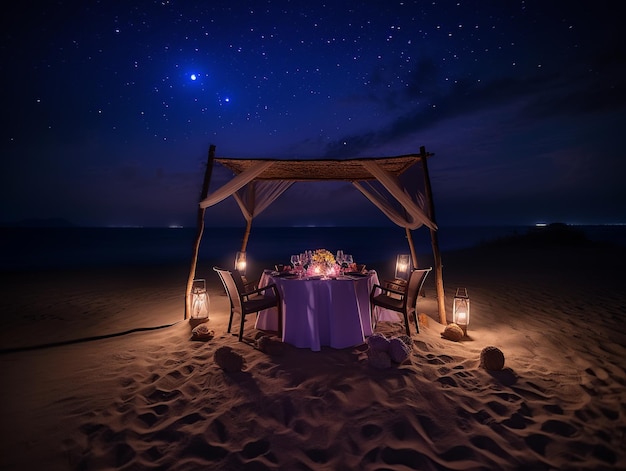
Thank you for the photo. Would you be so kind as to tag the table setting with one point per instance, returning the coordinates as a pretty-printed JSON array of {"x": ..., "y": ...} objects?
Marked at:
[
  {"x": 325, "y": 300},
  {"x": 320, "y": 264}
]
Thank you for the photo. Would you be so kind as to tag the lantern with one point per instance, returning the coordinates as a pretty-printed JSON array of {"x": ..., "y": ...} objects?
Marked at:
[
  {"x": 199, "y": 300},
  {"x": 240, "y": 262},
  {"x": 461, "y": 309},
  {"x": 403, "y": 266}
]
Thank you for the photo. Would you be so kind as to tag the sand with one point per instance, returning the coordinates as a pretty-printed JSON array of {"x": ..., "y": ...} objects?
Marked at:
[{"x": 75, "y": 395}]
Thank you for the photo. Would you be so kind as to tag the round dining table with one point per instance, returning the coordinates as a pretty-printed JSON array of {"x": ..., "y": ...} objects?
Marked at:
[{"x": 321, "y": 312}]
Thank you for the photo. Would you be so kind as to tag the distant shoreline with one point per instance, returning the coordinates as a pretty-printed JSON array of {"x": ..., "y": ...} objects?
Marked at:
[{"x": 24, "y": 248}]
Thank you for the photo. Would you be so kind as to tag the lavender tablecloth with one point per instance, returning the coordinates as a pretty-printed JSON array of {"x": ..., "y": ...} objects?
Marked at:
[{"x": 318, "y": 313}]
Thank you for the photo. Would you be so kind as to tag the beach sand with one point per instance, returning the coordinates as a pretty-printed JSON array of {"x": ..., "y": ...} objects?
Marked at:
[{"x": 76, "y": 395}]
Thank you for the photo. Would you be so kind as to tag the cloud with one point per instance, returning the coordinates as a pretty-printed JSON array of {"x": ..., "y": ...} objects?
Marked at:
[
  {"x": 424, "y": 105},
  {"x": 462, "y": 99}
]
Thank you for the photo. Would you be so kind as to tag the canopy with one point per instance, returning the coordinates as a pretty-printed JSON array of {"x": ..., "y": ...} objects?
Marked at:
[
  {"x": 316, "y": 170},
  {"x": 259, "y": 182}
]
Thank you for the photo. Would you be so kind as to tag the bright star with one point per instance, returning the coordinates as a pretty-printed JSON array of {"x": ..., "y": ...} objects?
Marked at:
[{"x": 194, "y": 76}]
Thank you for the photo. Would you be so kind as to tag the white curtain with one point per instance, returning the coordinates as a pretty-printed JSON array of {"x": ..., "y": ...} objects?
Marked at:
[
  {"x": 235, "y": 184},
  {"x": 258, "y": 195},
  {"x": 413, "y": 215}
]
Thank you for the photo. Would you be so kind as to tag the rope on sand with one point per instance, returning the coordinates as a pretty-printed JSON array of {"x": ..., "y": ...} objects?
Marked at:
[{"x": 84, "y": 339}]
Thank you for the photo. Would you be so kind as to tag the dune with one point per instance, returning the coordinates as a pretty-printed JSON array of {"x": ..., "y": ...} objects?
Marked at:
[{"x": 100, "y": 372}]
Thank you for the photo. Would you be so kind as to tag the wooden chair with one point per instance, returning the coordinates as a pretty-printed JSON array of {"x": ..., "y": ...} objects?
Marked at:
[
  {"x": 397, "y": 284},
  {"x": 402, "y": 301},
  {"x": 244, "y": 302}
]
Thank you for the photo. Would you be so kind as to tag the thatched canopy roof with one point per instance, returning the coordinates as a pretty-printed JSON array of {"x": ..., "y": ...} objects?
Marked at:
[{"x": 317, "y": 170}]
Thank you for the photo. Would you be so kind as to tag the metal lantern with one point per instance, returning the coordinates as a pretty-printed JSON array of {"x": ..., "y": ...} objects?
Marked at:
[
  {"x": 240, "y": 262},
  {"x": 199, "y": 300},
  {"x": 403, "y": 266},
  {"x": 461, "y": 309}
]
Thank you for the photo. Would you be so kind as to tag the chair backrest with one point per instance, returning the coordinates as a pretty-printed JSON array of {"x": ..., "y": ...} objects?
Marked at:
[
  {"x": 231, "y": 287},
  {"x": 414, "y": 286},
  {"x": 239, "y": 281}
]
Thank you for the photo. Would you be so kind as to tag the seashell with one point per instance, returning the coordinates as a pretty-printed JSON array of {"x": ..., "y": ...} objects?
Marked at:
[
  {"x": 202, "y": 332},
  {"x": 379, "y": 360},
  {"x": 229, "y": 360},
  {"x": 492, "y": 358},
  {"x": 453, "y": 332},
  {"x": 398, "y": 350},
  {"x": 379, "y": 342}
]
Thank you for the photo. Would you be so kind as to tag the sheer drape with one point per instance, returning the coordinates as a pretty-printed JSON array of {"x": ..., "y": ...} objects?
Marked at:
[
  {"x": 413, "y": 215},
  {"x": 235, "y": 184},
  {"x": 258, "y": 195},
  {"x": 252, "y": 196},
  {"x": 255, "y": 196}
]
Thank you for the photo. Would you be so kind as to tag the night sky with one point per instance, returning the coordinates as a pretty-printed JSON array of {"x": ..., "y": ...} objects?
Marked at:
[{"x": 109, "y": 108}]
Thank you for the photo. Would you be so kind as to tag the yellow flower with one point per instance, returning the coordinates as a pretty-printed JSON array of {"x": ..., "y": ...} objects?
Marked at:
[{"x": 323, "y": 256}]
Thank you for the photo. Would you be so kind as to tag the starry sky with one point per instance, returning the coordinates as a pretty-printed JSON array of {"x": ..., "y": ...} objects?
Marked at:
[{"x": 109, "y": 108}]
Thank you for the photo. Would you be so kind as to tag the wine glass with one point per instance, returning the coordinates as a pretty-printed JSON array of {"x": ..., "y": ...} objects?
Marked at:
[
  {"x": 348, "y": 260},
  {"x": 339, "y": 256},
  {"x": 295, "y": 260}
]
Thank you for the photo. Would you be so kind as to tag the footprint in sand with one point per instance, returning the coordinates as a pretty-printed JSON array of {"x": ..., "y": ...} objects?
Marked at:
[
  {"x": 486, "y": 443},
  {"x": 538, "y": 442},
  {"x": 447, "y": 381},
  {"x": 498, "y": 408},
  {"x": 256, "y": 448},
  {"x": 370, "y": 431},
  {"x": 317, "y": 455},
  {"x": 558, "y": 427},
  {"x": 554, "y": 409},
  {"x": 160, "y": 395},
  {"x": 148, "y": 419},
  {"x": 199, "y": 447},
  {"x": 219, "y": 430},
  {"x": 516, "y": 421}
]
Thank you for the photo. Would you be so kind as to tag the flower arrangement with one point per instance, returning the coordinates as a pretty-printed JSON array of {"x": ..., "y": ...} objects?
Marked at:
[
  {"x": 323, "y": 256},
  {"x": 322, "y": 264}
]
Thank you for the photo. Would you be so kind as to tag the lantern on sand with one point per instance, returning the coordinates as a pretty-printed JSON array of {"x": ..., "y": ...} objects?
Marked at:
[
  {"x": 403, "y": 266},
  {"x": 240, "y": 263},
  {"x": 199, "y": 300},
  {"x": 461, "y": 309}
]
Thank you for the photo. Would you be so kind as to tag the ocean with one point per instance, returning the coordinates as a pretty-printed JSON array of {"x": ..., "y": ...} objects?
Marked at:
[{"x": 60, "y": 248}]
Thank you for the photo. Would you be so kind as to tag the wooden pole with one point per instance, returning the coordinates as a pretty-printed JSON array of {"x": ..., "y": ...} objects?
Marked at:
[
  {"x": 441, "y": 299},
  {"x": 409, "y": 238},
  {"x": 199, "y": 228},
  {"x": 246, "y": 236}
]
